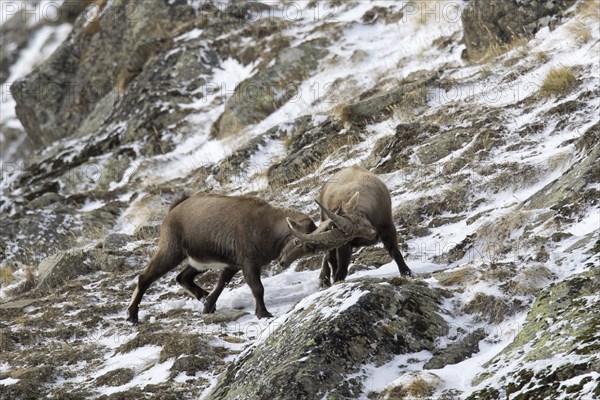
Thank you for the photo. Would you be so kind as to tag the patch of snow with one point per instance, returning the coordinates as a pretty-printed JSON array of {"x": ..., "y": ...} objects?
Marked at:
[
  {"x": 191, "y": 35},
  {"x": 91, "y": 205},
  {"x": 8, "y": 381}
]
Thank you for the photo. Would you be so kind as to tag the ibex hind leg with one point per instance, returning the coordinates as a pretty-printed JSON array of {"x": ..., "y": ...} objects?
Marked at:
[
  {"x": 161, "y": 263},
  {"x": 186, "y": 281},
  {"x": 329, "y": 263},
  {"x": 211, "y": 300},
  {"x": 389, "y": 237},
  {"x": 343, "y": 255}
]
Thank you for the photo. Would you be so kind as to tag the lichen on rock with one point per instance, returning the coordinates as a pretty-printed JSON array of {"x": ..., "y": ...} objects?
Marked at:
[{"x": 330, "y": 335}]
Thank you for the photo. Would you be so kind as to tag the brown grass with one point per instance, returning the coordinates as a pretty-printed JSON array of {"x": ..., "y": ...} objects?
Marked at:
[
  {"x": 558, "y": 81},
  {"x": 542, "y": 57},
  {"x": 589, "y": 9},
  {"x": 6, "y": 275},
  {"x": 496, "y": 50},
  {"x": 580, "y": 31},
  {"x": 419, "y": 388},
  {"x": 498, "y": 231},
  {"x": 453, "y": 278}
]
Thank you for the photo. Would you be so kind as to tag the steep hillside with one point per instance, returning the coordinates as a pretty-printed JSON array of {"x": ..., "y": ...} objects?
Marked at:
[{"x": 482, "y": 119}]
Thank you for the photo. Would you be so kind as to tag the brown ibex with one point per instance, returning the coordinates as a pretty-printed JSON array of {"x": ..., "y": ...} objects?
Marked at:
[
  {"x": 229, "y": 233},
  {"x": 360, "y": 201}
]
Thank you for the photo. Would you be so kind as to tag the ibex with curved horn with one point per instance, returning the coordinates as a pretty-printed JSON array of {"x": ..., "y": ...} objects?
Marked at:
[
  {"x": 363, "y": 216},
  {"x": 230, "y": 234}
]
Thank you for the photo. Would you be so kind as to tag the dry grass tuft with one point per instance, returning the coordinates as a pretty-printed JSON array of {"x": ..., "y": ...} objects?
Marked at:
[
  {"x": 419, "y": 388},
  {"x": 496, "y": 50},
  {"x": 494, "y": 234},
  {"x": 6, "y": 275},
  {"x": 542, "y": 57},
  {"x": 588, "y": 9},
  {"x": 580, "y": 31},
  {"x": 456, "y": 277},
  {"x": 558, "y": 81}
]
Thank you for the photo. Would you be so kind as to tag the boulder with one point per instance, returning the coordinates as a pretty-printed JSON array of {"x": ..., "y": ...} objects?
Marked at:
[
  {"x": 393, "y": 152},
  {"x": 456, "y": 352},
  {"x": 370, "y": 257},
  {"x": 329, "y": 335},
  {"x": 61, "y": 267},
  {"x": 54, "y": 100},
  {"x": 306, "y": 150},
  {"x": 258, "y": 96},
  {"x": 496, "y": 23},
  {"x": 118, "y": 244},
  {"x": 563, "y": 325}
]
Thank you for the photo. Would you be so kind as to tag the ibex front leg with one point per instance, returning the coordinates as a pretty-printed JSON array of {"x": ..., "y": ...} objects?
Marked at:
[
  {"x": 225, "y": 277},
  {"x": 252, "y": 276}
]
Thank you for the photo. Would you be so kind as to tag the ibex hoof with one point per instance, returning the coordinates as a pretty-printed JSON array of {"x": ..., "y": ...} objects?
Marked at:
[{"x": 264, "y": 314}]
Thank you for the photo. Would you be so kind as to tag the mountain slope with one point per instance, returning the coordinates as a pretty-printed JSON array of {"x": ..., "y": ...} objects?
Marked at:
[{"x": 490, "y": 154}]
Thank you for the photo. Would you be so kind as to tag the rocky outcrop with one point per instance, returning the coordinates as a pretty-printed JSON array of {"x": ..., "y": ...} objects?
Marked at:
[
  {"x": 308, "y": 149},
  {"x": 258, "y": 96},
  {"x": 60, "y": 267},
  {"x": 329, "y": 335},
  {"x": 562, "y": 325},
  {"x": 411, "y": 93},
  {"x": 456, "y": 352},
  {"x": 489, "y": 24},
  {"x": 54, "y": 100}
]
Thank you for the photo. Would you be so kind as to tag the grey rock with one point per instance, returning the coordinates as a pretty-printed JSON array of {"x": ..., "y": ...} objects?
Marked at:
[
  {"x": 371, "y": 257},
  {"x": 444, "y": 144},
  {"x": 572, "y": 303},
  {"x": 82, "y": 70},
  {"x": 496, "y": 23},
  {"x": 410, "y": 93},
  {"x": 17, "y": 304},
  {"x": 116, "y": 244},
  {"x": 308, "y": 149},
  {"x": 148, "y": 230},
  {"x": 393, "y": 152},
  {"x": 61, "y": 267},
  {"x": 260, "y": 95},
  {"x": 318, "y": 345},
  {"x": 237, "y": 165},
  {"x": 44, "y": 200},
  {"x": 456, "y": 352},
  {"x": 116, "y": 377}
]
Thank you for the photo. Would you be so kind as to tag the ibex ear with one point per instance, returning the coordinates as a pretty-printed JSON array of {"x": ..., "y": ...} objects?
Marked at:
[
  {"x": 294, "y": 226},
  {"x": 350, "y": 205}
]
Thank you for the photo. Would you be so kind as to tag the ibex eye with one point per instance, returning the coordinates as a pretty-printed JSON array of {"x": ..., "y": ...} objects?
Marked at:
[{"x": 297, "y": 242}]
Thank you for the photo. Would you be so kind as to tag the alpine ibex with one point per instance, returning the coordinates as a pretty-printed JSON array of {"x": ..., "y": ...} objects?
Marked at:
[
  {"x": 360, "y": 201},
  {"x": 230, "y": 234}
]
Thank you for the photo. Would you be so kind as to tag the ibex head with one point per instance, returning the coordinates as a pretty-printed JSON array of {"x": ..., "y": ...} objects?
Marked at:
[{"x": 343, "y": 225}]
